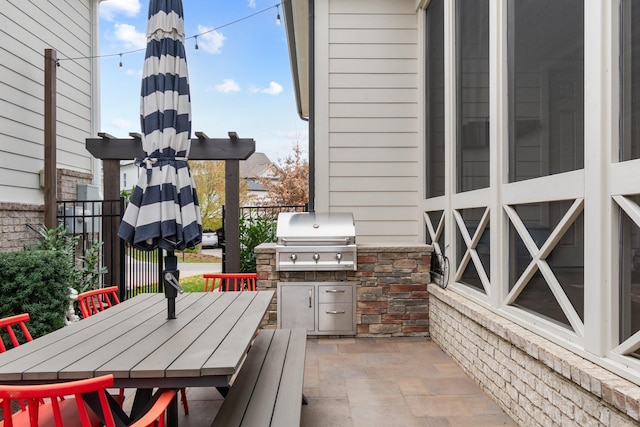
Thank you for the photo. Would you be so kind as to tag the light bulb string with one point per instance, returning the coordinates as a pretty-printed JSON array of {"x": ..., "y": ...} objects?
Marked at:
[{"x": 195, "y": 36}]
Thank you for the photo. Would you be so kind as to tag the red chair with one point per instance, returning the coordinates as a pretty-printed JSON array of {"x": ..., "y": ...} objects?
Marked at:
[
  {"x": 230, "y": 282},
  {"x": 97, "y": 300},
  {"x": 8, "y": 323},
  {"x": 51, "y": 405}
]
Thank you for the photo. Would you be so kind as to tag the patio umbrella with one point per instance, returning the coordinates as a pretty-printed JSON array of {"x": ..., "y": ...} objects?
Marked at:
[{"x": 163, "y": 211}]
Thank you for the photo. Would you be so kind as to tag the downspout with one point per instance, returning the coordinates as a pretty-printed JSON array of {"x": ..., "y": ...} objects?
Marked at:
[
  {"x": 95, "y": 87},
  {"x": 312, "y": 116}
]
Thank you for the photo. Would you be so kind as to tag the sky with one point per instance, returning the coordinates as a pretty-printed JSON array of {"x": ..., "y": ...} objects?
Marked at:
[{"x": 240, "y": 75}]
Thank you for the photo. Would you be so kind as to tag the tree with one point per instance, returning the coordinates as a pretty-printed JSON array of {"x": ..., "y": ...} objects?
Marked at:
[
  {"x": 209, "y": 177},
  {"x": 290, "y": 182}
]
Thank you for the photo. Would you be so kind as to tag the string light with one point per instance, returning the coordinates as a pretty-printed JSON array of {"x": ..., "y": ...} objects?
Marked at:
[{"x": 120, "y": 64}]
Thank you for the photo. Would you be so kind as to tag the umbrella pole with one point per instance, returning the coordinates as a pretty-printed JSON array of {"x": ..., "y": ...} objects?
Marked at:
[{"x": 170, "y": 276}]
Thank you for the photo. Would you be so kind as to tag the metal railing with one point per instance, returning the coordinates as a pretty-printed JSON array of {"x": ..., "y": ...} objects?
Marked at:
[
  {"x": 93, "y": 221},
  {"x": 253, "y": 211},
  {"x": 132, "y": 270}
]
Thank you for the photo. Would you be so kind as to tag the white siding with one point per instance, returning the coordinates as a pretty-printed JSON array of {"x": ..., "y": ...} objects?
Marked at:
[
  {"x": 28, "y": 28},
  {"x": 370, "y": 108}
]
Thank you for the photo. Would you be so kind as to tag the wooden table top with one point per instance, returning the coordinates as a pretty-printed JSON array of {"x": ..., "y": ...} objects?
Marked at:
[{"x": 134, "y": 341}]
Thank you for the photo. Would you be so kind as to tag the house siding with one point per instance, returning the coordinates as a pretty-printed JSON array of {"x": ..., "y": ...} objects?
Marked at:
[
  {"x": 370, "y": 107},
  {"x": 28, "y": 28}
]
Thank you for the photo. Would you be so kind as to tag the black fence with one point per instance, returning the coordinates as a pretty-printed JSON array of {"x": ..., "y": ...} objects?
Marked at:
[
  {"x": 94, "y": 221},
  {"x": 134, "y": 271},
  {"x": 253, "y": 211}
]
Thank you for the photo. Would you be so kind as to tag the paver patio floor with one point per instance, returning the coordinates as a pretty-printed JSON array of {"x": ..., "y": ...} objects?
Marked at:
[{"x": 370, "y": 382}]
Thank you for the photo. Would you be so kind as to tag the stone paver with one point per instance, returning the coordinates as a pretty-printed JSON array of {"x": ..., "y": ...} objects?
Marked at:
[{"x": 370, "y": 382}]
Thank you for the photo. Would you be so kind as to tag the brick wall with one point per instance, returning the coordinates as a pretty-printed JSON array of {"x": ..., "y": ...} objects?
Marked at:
[
  {"x": 15, "y": 218},
  {"x": 391, "y": 287},
  {"x": 534, "y": 380},
  {"x": 68, "y": 181}
]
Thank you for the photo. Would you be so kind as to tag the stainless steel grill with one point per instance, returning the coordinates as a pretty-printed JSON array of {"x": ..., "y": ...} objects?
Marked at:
[{"x": 313, "y": 241}]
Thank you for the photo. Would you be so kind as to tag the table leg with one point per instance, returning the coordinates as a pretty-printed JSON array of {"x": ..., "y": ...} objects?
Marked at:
[
  {"x": 142, "y": 397},
  {"x": 172, "y": 412},
  {"x": 93, "y": 400}
]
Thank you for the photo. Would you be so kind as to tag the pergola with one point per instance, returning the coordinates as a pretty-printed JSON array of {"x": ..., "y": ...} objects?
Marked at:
[{"x": 112, "y": 150}]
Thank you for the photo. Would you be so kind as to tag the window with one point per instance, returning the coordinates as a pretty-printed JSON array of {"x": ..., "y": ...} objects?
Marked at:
[
  {"x": 472, "y": 145},
  {"x": 546, "y": 88},
  {"x": 539, "y": 263},
  {"x": 435, "y": 99},
  {"x": 473, "y": 227},
  {"x": 629, "y": 274},
  {"x": 630, "y": 80}
]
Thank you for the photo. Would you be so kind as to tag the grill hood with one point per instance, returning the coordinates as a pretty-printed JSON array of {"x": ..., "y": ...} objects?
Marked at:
[
  {"x": 313, "y": 228},
  {"x": 312, "y": 241}
]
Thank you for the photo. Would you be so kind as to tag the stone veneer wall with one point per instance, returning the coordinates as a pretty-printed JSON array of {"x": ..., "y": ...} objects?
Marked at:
[
  {"x": 391, "y": 282},
  {"x": 15, "y": 217},
  {"x": 534, "y": 380}
]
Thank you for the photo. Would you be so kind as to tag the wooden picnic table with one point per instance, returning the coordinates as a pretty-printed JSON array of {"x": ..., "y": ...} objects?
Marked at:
[{"x": 203, "y": 347}]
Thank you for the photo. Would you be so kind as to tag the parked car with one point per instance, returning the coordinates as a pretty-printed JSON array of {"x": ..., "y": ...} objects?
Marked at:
[{"x": 209, "y": 239}]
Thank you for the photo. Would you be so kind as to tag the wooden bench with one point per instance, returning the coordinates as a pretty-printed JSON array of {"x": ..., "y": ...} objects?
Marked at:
[{"x": 268, "y": 388}]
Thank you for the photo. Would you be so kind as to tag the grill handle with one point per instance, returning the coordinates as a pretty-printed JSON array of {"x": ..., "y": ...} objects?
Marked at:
[{"x": 345, "y": 240}]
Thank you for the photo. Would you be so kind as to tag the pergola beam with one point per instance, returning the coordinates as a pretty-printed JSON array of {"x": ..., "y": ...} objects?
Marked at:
[{"x": 108, "y": 147}]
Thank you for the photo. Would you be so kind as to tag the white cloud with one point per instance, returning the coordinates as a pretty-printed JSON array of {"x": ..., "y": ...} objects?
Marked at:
[
  {"x": 228, "y": 86},
  {"x": 135, "y": 73},
  {"x": 273, "y": 89},
  {"x": 252, "y": 4},
  {"x": 212, "y": 41},
  {"x": 121, "y": 124},
  {"x": 128, "y": 35},
  {"x": 110, "y": 8}
]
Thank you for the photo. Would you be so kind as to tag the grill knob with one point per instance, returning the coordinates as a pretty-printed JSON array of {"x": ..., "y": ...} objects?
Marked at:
[
  {"x": 316, "y": 257},
  {"x": 339, "y": 257},
  {"x": 293, "y": 257}
]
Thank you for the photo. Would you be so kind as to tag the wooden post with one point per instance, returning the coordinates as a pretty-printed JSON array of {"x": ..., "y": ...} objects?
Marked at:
[
  {"x": 232, "y": 216},
  {"x": 111, "y": 248},
  {"x": 50, "y": 161}
]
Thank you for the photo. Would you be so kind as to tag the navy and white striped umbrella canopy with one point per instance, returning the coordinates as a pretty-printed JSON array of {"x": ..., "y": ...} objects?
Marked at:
[{"x": 163, "y": 211}]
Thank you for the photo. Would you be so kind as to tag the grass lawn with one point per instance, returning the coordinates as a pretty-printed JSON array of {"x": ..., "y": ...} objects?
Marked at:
[
  {"x": 192, "y": 284},
  {"x": 189, "y": 257}
]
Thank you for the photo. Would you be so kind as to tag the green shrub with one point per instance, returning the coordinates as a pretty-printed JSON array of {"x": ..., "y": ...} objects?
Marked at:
[
  {"x": 35, "y": 282},
  {"x": 254, "y": 230},
  {"x": 86, "y": 270}
]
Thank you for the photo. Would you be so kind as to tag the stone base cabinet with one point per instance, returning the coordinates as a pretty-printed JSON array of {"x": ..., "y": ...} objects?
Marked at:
[{"x": 389, "y": 293}]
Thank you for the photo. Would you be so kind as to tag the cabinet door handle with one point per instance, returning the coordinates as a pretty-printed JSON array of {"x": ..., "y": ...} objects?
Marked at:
[
  {"x": 335, "y": 291},
  {"x": 335, "y": 312},
  {"x": 310, "y": 295}
]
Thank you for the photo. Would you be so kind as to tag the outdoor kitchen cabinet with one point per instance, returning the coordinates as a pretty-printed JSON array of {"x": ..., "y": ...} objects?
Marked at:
[
  {"x": 323, "y": 308},
  {"x": 299, "y": 306}
]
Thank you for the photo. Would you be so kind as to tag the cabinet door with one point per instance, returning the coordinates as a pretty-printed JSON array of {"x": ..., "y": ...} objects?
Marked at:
[{"x": 296, "y": 306}]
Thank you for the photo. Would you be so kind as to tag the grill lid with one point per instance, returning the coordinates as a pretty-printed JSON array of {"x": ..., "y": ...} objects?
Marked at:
[{"x": 313, "y": 228}]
